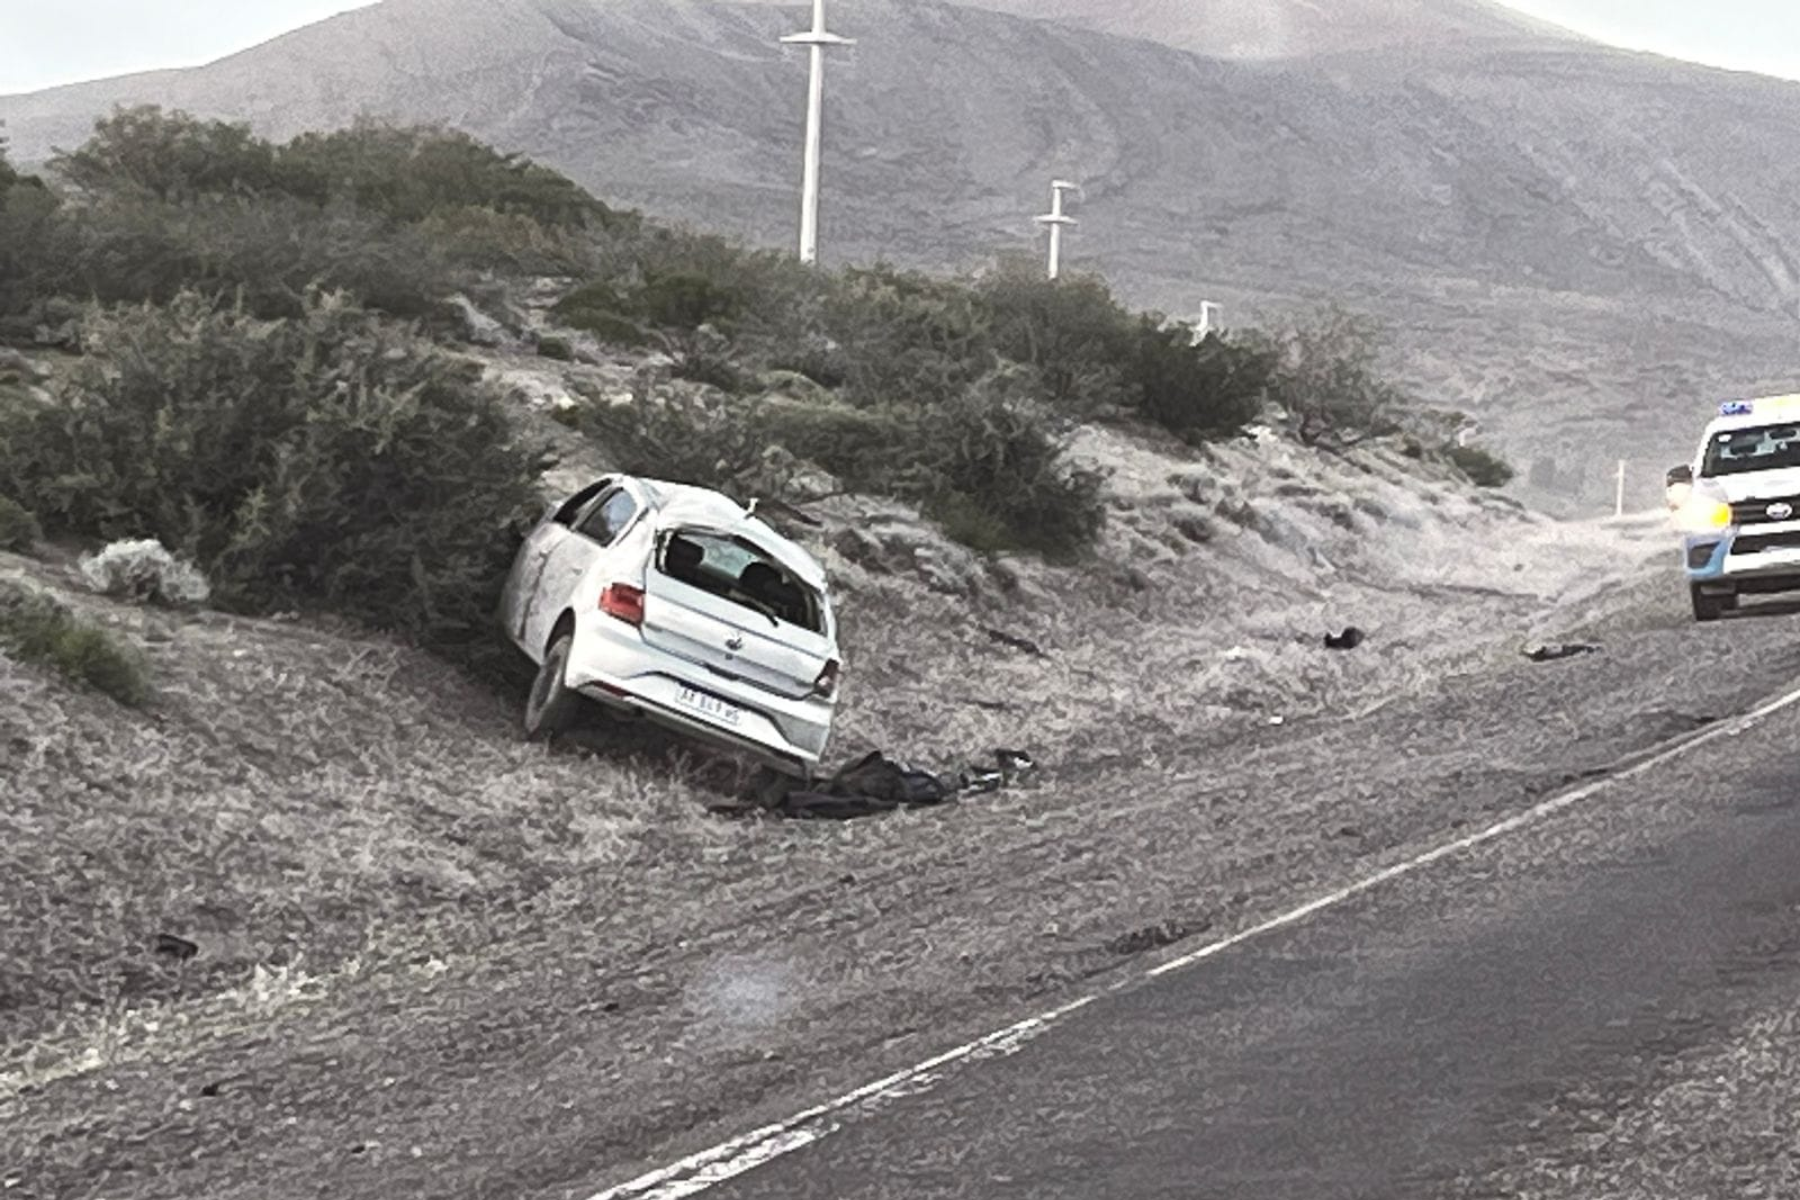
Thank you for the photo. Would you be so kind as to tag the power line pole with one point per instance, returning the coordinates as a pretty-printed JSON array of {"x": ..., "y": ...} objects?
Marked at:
[
  {"x": 816, "y": 39},
  {"x": 1057, "y": 220},
  {"x": 1209, "y": 319}
]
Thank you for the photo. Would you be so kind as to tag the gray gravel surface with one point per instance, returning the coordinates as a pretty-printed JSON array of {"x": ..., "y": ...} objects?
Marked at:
[{"x": 603, "y": 1045}]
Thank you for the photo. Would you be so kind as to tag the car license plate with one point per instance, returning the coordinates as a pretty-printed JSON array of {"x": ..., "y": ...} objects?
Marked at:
[{"x": 711, "y": 705}]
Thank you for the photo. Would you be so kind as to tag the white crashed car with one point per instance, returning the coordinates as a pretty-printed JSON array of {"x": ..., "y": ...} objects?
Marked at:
[{"x": 675, "y": 604}]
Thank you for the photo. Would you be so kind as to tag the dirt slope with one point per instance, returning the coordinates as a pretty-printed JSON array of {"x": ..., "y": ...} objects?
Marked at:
[{"x": 613, "y": 978}]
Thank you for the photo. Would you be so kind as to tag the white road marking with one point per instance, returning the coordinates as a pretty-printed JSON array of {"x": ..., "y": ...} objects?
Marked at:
[{"x": 740, "y": 1155}]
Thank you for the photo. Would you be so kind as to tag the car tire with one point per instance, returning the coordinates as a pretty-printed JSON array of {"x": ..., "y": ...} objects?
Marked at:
[
  {"x": 1706, "y": 608},
  {"x": 551, "y": 707}
]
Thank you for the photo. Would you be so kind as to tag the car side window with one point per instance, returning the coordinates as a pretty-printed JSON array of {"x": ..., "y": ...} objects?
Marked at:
[
  {"x": 571, "y": 508},
  {"x": 608, "y": 519}
]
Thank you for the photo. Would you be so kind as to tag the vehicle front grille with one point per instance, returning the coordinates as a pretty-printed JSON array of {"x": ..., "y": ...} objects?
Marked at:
[
  {"x": 1758, "y": 543},
  {"x": 1756, "y": 512}
]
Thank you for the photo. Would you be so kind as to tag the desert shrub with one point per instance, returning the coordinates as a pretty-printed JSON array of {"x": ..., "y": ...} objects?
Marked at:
[
  {"x": 1327, "y": 379},
  {"x": 555, "y": 348},
  {"x": 399, "y": 217},
  {"x": 1072, "y": 332},
  {"x": 1483, "y": 468},
  {"x": 19, "y": 528},
  {"x": 271, "y": 254},
  {"x": 169, "y": 156},
  {"x": 36, "y": 629},
  {"x": 142, "y": 571},
  {"x": 685, "y": 301},
  {"x": 325, "y": 460},
  {"x": 31, "y": 225},
  {"x": 988, "y": 465},
  {"x": 903, "y": 337},
  {"x": 709, "y": 364},
  {"x": 509, "y": 244},
  {"x": 407, "y": 175},
  {"x": 993, "y": 456},
  {"x": 1200, "y": 390},
  {"x": 600, "y": 308}
]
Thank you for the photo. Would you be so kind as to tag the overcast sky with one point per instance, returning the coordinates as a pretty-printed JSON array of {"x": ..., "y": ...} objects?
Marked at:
[{"x": 42, "y": 45}]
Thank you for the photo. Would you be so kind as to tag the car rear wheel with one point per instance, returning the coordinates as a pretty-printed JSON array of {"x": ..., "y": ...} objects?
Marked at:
[
  {"x": 551, "y": 707},
  {"x": 1709, "y": 608}
]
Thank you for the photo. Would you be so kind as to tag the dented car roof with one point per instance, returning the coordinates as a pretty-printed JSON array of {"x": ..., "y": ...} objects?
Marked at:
[{"x": 702, "y": 508}]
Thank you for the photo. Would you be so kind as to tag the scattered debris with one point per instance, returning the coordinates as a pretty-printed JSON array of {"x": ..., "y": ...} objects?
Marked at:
[
  {"x": 1556, "y": 651},
  {"x": 1156, "y": 937},
  {"x": 1350, "y": 639},
  {"x": 877, "y": 784},
  {"x": 178, "y": 948},
  {"x": 1017, "y": 643}
]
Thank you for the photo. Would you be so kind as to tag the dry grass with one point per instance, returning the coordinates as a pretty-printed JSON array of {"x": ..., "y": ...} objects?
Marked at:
[{"x": 313, "y": 801}]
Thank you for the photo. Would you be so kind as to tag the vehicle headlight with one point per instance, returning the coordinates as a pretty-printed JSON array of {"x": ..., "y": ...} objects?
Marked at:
[{"x": 1703, "y": 515}]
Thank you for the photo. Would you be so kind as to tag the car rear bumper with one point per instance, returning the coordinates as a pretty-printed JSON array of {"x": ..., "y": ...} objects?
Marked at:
[{"x": 615, "y": 668}]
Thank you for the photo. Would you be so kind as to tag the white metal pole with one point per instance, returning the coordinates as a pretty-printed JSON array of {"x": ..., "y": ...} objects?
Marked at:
[
  {"x": 1056, "y": 220},
  {"x": 1619, "y": 502},
  {"x": 815, "y": 144},
  {"x": 816, "y": 40}
]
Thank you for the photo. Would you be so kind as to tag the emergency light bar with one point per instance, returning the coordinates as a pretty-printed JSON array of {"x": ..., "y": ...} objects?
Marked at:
[{"x": 1737, "y": 408}]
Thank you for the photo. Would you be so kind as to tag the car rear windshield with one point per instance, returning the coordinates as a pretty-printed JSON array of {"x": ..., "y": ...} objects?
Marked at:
[
  {"x": 739, "y": 571},
  {"x": 1763, "y": 448}
]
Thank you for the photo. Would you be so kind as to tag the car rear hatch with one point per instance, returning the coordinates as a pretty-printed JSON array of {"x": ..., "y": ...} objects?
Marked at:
[{"x": 722, "y": 602}]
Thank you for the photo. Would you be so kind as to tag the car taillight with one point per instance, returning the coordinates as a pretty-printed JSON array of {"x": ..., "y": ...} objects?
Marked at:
[
  {"x": 826, "y": 684},
  {"x": 623, "y": 601}
]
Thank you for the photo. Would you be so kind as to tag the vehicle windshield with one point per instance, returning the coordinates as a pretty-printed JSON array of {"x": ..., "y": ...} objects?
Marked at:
[
  {"x": 741, "y": 572},
  {"x": 1763, "y": 448}
]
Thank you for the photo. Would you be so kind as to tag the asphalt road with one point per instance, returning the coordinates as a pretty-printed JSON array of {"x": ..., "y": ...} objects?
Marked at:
[{"x": 1398, "y": 1045}]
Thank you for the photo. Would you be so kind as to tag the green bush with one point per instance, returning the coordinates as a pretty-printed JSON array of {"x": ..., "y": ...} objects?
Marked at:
[
  {"x": 986, "y": 465},
  {"x": 1072, "y": 332},
  {"x": 1326, "y": 378},
  {"x": 36, "y": 629},
  {"x": 1483, "y": 468},
  {"x": 19, "y": 528},
  {"x": 169, "y": 156},
  {"x": 989, "y": 453},
  {"x": 555, "y": 348},
  {"x": 271, "y": 254},
  {"x": 408, "y": 175},
  {"x": 1196, "y": 391},
  {"x": 325, "y": 460},
  {"x": 904, "y": 337},
  {"x": 30, "y": 225}
]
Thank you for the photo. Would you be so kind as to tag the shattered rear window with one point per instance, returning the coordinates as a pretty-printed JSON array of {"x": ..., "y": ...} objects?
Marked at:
[{"x": 738, "y": 570}]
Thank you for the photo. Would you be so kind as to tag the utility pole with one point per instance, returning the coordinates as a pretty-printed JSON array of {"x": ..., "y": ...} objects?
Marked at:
[
  {"x": 1056, "y": 220},
  {"x": 1619, "y": 501},
  {"x": 816, "y": 39},
  {"x": 1208, "y": 315}
]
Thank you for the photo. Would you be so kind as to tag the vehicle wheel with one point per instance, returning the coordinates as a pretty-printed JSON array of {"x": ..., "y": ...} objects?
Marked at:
[
  {"x": 1706, "y": 608},
  {"x": 551, "y": 707}
]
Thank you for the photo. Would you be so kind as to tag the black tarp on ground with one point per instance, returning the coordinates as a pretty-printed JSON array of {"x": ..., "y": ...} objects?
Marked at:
[{"x": 875, "y": 784}]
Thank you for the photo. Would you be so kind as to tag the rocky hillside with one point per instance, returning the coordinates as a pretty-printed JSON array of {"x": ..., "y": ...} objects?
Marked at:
[
  {"x": 1582, "y": 245},
  {"x": 1293, "y": 28}
]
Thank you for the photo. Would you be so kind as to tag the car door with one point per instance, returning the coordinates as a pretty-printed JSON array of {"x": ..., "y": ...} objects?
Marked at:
[
  {"x": 527, "y": 573},
  {"x": 597, "y": 528}
]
